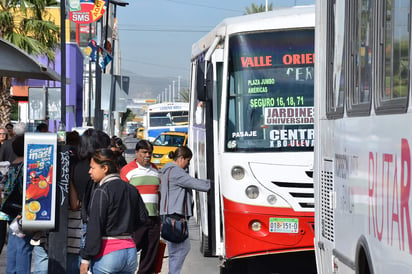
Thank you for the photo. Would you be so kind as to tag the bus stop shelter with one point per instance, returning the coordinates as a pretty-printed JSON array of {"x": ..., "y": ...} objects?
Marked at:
[{"x": 16, "y": 63}]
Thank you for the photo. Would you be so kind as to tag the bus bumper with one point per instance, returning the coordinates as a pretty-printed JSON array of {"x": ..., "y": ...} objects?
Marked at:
[{"x": 241, "y": 240}]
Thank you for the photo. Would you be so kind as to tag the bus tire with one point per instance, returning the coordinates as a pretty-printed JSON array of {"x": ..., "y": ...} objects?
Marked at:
[
  {"x": 363, "y": 261},
  {"x": 225, "y": 267},
  {"x": 204, "y": 246},
  {"x": 363, "y": 264}
]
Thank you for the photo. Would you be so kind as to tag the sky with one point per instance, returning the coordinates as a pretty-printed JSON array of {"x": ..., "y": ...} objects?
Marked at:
[{"x": 156, "y": 36}]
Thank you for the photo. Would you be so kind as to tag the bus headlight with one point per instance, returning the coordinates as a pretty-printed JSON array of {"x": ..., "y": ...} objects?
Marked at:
[
  {"x": 238, "y": 173},
  {"x": 271, "y": 199},
  {"x": 252, "y": 192},
  {"x": 256, "y": 226}
]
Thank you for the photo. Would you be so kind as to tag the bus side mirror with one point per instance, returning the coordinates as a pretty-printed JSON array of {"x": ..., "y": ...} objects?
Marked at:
[
  {"x": 204, "y": 86},
  {"x": 200, "y": 83}
]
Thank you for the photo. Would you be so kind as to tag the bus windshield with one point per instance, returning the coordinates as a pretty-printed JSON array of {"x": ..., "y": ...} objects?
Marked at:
[
  {"x": 171, "y": 118},
  {"x": 270, "y": 97}
]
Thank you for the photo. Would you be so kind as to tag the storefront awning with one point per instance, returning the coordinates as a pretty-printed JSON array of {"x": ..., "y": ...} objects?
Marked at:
[{"x": 14, "y": 62}]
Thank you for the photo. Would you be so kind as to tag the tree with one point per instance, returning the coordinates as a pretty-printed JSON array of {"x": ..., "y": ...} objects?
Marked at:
[
  {"x": 184, "y": 94},
  {"x": 27, "y": 25},
  {"x": 256, "y": 9}
]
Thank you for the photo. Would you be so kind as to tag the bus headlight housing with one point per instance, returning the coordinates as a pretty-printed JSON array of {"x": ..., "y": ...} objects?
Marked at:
[
  {"x": 238, "y": 173},
  {"x": 252, "y": 192}
]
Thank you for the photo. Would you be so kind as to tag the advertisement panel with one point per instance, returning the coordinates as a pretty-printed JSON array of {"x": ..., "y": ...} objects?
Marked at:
[
  {"x": 86, "y": 11},
  {"x": 37, "y": 102},
  {"x": 39, "y": 181}
]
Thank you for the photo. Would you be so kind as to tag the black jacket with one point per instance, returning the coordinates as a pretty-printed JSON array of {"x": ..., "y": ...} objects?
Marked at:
[{"x": 115, "y": 209}]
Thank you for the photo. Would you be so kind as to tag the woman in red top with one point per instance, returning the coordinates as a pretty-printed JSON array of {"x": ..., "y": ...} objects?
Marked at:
[{"x": 116, "y": 210}]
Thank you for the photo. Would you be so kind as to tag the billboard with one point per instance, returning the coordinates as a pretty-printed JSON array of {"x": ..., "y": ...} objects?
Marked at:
[
  {"x": 86, "y": 11},
  {"x": 39, "y": 181},
  {"x": 37, "y": 102}
]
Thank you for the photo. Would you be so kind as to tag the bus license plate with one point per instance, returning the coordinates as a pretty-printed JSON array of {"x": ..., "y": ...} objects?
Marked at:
[
  {"x": 156, "y": 161},
  {"x": 283, "y": 225}
]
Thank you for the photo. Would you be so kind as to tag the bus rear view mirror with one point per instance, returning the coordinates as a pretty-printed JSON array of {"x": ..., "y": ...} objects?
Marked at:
[
  {"x": 200, "y": 83},
  {"x": 204, "y": 86}
]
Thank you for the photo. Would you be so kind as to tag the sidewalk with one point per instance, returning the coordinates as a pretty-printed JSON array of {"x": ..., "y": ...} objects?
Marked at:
[
  {"x": 195, "y": 262},
  {"x": 194, "y": 259}
]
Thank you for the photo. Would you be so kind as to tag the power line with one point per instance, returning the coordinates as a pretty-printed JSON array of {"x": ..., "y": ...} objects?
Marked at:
[
  {"x": 152, "y": 64},
  {"x": 202, "y": 5},
  {"x": 164, "y": 30}
]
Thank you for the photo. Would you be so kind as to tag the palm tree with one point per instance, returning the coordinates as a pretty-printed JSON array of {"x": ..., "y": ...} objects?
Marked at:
[
  {"x": 27, "y": 25},
  {"x": 184, "y": 94},
  {"x": 256, "y": 9}
]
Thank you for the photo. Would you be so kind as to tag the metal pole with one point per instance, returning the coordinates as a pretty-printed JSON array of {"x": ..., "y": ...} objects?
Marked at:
[
  {"x": 178, "y": 88},
  {"x": 173, "y": 98},
  {"x": 63, "y": 60},
  {"x": 112, "y": 104},
  {"x": 112, "y": 78},
  {"x": 58, "y": 238},
  {"x": 89, "y": 120},
  {"x": 98, "y": 117}
]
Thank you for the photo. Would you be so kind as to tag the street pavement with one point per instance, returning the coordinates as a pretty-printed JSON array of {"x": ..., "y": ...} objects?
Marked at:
[{"x": 195, "y": 262}]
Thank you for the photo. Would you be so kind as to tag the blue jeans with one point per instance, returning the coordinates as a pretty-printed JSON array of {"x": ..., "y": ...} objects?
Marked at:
[
  {"x": 123, "y": 261},
  {"x": 41, "y": 260},
  {"x": 18, "y": 254},
  {"x": 177, "y": 255},
  {"x": 83, "y": 236}
]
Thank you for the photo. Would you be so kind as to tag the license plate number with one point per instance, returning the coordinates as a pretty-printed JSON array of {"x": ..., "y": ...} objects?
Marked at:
[
  {"x": 284, "y": 225},
  {"x": 156, "y": 161}
]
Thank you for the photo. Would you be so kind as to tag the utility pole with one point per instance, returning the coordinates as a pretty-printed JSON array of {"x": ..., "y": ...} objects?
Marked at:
[
  {"x": 173, "y": 99},
  {"x": 58, "y": 237},
  {"x": 98, "y": 113},
  {"x": 178, "y": 88},
  {"x": 63, "y": 61},
  {"x": 113, "y": 79}
]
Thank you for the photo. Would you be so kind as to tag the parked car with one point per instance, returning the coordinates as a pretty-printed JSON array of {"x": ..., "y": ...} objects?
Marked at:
[
  {"x": 164, "y": 143},
  {"x": 140, "y": 133}
]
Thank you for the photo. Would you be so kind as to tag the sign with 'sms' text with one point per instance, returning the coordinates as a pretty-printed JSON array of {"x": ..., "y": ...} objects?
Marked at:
[{"x": 86, "y": 11}]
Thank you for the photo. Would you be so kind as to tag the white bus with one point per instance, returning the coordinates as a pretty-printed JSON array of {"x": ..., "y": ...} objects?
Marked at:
[
  {"x": 362, "y": 169},
  {"x": 167, "y": 116},
  {"x": 251, "y": 131}
]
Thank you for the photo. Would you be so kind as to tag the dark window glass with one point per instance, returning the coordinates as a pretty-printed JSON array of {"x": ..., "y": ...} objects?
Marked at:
[{"x": 270, "y": 104}]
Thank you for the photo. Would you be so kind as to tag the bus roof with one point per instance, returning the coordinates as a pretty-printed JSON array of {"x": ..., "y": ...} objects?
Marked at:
[
  {"x": 285, "y": 18},
  {"x": 169, "y": 106}
]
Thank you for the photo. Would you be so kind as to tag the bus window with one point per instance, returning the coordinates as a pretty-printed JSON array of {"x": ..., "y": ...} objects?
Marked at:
[
  {"x": 361, "y": 58},
  {"x": 335, "y": 74},
  {"x": 270, "y": 106},
  {"x": 397, "y": 50},
  {"x": 393, "y": 96}
]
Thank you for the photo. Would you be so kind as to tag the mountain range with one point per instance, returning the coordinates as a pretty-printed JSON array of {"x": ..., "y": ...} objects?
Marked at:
[{"x": 145, "y": 87}]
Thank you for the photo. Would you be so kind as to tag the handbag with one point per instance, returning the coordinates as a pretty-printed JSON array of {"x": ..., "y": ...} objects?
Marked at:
[
  {"x": 174, "y": 227},
  {"x": 12, "y": 204}
]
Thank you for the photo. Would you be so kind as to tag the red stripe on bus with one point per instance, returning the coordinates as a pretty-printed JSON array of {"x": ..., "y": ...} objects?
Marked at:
[{"x": 242, "y": 241}]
